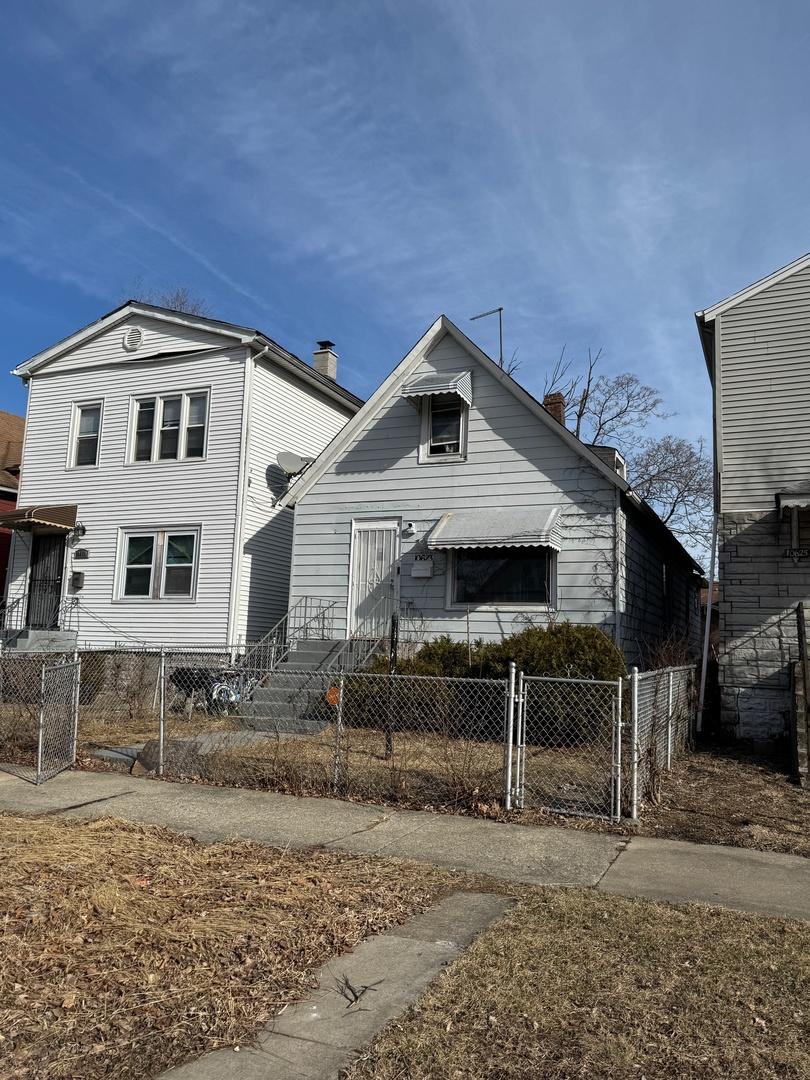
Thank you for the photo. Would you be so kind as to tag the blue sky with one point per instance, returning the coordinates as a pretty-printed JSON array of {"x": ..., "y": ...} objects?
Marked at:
[{"x": 351, "y": 169}]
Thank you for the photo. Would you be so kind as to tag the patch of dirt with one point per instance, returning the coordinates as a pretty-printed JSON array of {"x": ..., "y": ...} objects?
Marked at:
[
  {"x": 573, "y": 984},
  {"x": 722, "y": 796},
  {"x": 127, "y": 949}
]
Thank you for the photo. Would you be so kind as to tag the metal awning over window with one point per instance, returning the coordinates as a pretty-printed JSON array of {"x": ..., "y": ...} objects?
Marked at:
[
  {"x": 459, "y": 383},
  {"x": 49, "y": 517},
  {"x": 537, "y": 527}
]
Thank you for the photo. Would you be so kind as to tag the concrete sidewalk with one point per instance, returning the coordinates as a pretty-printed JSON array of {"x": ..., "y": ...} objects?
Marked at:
[{"x": 660, "y": 869}]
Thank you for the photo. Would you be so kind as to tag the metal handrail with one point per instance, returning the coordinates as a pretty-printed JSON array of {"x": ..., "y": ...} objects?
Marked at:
[
  {"x": 366, "y": 639},
  {"x": 14, "y": 615},
  {"x": 307, "y": 614}
]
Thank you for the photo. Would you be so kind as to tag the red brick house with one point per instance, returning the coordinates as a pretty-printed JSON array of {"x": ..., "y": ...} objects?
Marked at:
[{"x": 11, "y": 439}]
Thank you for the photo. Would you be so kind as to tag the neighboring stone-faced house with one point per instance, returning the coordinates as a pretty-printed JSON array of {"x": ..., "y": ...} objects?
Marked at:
[
  {"x": 757, "y": 348},
  {"x": 457, "y": 495},
  {"x": 11, "y": 440},
  {"x": 146, "y": 509}
]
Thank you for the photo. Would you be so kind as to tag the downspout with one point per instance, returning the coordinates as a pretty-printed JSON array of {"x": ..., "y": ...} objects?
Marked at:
[
  {"x": 238, "y": 531},
  {"x": 617, "y": 608},
  {"x": 707, "y": 628}
]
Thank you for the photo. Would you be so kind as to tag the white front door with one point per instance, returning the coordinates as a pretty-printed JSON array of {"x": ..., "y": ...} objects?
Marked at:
[{"x": 374, "y": 583}]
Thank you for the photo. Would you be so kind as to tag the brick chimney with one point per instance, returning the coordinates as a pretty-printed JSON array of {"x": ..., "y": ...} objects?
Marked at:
[
  {"x": 555, "y": 404},
  {"x": 325, "y": 359}
]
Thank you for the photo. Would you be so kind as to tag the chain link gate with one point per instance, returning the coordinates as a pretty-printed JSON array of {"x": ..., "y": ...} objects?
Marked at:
[
  {"x": 58, "y": 719},
  {"x": 563, "y": 746}
]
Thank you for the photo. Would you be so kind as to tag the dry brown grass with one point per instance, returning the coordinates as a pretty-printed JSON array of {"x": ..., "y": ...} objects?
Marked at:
[
  {"x": 579, "y": 985},
  {"x": 126, "y": 949},
  {"x": 722, "y": 796}
]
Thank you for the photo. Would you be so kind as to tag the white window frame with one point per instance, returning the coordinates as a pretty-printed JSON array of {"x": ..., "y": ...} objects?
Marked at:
[
  {"x": 454, "y": 605},
  {"x": 426, "y": 409},
  {"x": 182, "y": 438},
  {"x": 73, "y": 442},
  {"x": 157, "y": 589}
]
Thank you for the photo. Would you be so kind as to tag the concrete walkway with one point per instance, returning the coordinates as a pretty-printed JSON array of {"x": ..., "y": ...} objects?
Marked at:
[
  {"x": 356, "y": 997},
  {"x": 660, "y": 869}
]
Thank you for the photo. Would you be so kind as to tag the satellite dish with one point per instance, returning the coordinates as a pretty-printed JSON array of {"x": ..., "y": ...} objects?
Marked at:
[{"x": 292, "y": 464}]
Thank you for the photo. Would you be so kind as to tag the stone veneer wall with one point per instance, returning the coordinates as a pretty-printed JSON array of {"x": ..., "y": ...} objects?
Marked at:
[{"x": 759, "y": 590}]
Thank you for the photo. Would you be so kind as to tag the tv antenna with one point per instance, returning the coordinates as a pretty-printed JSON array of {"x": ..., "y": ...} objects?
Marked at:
[{"x": 499, "y": 312}]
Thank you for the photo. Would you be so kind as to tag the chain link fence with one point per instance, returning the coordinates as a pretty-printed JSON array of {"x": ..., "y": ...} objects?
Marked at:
[
  {"x": 38, "y": 713},
  {"x": 567, "y": 746},
  {"x": 662, "y": 708}
]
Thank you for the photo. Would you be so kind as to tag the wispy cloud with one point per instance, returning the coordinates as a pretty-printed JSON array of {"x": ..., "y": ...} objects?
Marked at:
[{"x": 353, "y": 168}]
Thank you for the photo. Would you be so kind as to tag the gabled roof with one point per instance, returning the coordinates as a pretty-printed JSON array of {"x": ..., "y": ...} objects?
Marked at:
[
  {"x": 393, "y": 384},
  {"x": 245, "y": 335},
  {"x": 710, "y": 314},
  {"x": 395, "y": 381}
]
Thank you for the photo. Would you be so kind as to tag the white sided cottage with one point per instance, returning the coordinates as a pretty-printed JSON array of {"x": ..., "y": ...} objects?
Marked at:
[
  {"x": 146, "y": 509},
  {"x": 459, "y": 498}
]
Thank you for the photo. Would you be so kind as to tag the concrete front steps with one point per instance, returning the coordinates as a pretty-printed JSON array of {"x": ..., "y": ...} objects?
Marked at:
[
  {"x": 50, "y": 641},
  {"x": 292, "y": 699}
]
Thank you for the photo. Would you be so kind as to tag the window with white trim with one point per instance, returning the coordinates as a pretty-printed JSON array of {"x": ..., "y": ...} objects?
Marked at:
[
  {"x": 159, "y": 564},
  {"x": 86, "y": 435},
  {"x": 503, "y": 576},
  {"x": 444, "y": 428},
  {"x": 171, "y": 427}
]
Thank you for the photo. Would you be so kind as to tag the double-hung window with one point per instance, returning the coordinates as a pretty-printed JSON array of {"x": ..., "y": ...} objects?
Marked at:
[
  {"x": 510, "y": 575},
  {"x": 86, "y": 435},
  {"x": 171, "y": 427},
  {"x": 159, "y": 564},
  {"x": 444, "y": 427}
]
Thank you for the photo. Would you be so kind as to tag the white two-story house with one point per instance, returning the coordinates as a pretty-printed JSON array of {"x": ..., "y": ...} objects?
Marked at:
[{"x": 146, "y": 508}]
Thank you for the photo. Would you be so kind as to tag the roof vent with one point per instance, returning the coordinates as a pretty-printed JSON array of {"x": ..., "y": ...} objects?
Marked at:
[{"x": 133, "y": 336}]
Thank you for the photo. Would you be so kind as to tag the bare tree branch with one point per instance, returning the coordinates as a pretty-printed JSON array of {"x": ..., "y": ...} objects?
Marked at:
[
  {"x": 177, "y": 298},
  {"x": 672, "y": 474}
]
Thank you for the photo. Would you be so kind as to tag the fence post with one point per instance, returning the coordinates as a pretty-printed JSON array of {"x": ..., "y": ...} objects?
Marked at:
[
  {"x": 77, "y": 685},
  {"x": 617, "y": 753},
  {"x": 41, "y": 724},
  {"x": 521, "y": 740},
  {"x": 336, "y": 769},
  {"x": 162, "y": 711},
  {"x": 509, "y": 733},
  {"x": 634, "y": 743},
  {"x": 669, "y": 721}
]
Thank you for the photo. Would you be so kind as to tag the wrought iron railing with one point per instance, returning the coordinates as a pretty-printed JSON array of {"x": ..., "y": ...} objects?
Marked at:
[{"x": 15, "y": 615}]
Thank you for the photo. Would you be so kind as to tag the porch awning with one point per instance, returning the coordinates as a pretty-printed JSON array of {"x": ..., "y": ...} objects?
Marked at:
[
  {"x": 459, "y": 383},
  {"x": 49, "y": 517},
  {"x": 536, "y": 527},
  {"x": 797, "y": 498}
]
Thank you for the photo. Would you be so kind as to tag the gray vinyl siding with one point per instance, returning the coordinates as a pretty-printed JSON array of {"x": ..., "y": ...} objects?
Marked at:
[
  {"x": 764, "y": 394},
  {"x": 118, "y": 495},
  {"x": 513, "y": 460},
  {"x": 658, "y": 598},
  {"x": 284, "y": 415}
]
